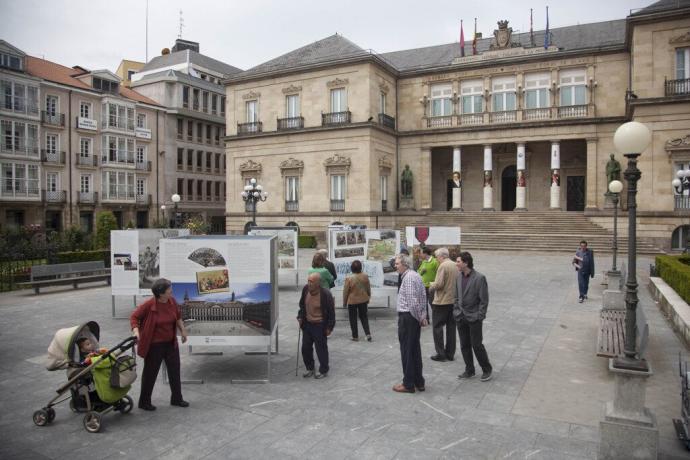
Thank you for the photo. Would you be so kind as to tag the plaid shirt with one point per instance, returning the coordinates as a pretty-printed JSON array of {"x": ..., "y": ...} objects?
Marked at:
[{"x": 412, "y": 296}]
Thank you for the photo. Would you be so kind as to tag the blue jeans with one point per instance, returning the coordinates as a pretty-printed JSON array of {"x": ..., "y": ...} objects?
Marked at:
[{"x": 583, "y": 282}]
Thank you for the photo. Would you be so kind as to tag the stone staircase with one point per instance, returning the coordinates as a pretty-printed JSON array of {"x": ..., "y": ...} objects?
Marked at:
[{"x": 557, "y": 231}]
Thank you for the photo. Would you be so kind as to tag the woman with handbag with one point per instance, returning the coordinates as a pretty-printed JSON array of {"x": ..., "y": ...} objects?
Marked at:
[
  {"x": 356, "y": 296},
  {"x": 154, "y": 324}
]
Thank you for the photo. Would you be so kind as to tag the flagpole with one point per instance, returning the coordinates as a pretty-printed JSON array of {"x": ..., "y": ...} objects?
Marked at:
[
  {"x": 546, "y": 33},
  {"x": 474, "y": 39},
  {"x": 531, "y": 28},
  {"x": 462, "y": 40}
]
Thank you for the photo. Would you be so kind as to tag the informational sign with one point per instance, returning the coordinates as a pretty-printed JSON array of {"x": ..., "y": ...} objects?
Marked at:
[
  {"x": 286, "y": 243},
  {"x": 135, "y": 259},
  {"x": 225, "y": 286},
  {"x": 432, "y": 236}
]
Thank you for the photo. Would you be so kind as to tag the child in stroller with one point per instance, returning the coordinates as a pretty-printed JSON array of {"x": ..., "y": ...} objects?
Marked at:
[{"x": 97, "y": 382}]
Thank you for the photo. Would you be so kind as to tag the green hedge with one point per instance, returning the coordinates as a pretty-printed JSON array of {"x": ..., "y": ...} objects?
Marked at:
[
  {"x": 306, "y": 241},
  {"x": 84, "y": 256},
  {"x": 675, "y": 270}
]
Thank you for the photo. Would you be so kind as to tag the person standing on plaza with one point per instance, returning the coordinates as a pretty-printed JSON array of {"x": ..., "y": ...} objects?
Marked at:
[
  {"x": 584, "y": 266},
  {"x": 444, "y": 292},
  {"x": 428, "y": 266},
  {"x": 316, "y": 318},
  {"x": 154, "y": 324},
  {"x": 317, "y": 266},
  {"x": 411, "y": 309},
  {"x": 469, "y": 311},
  {"x": 328, "y": 265},
  {"x": 356, "y": 295}
]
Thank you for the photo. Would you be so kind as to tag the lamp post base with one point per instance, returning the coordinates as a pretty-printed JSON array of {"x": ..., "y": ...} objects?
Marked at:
[{"x": 614, "y": 298}]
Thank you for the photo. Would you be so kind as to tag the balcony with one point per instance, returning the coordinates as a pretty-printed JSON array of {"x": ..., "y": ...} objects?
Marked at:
[
  {"x": 120, "y": 123},
  {"x": 507, "y": 116},
  {"x": 573, "y": 111},
  {"x": 56, "y": 158},
  {"x": 87, "y": 197},
  {"x": 439, "y": 122},
  {"x": 291, "y": 206},
  {"x": 290, "y": 123},
  {"x": 53, "y": 119},
  {"x": 471, "y": 119},
  {"x": 19, "y": 189},
  {"x": 119, "y": 157},
  {"x": 144, "y": 200},
  {"x": 89, "y": 161},
  {"x": 118, "y": 193},
  {"x": 249, "y": 128},
  {"x": 20, "y": 148},
  {"x": 336, "y": 118},
  {"x": 682, "y": 202},
  {"x": 387, "y": 121},
  {"x": 88, "y": 124},
  {"x": 536, "y": 114},
  {"x": 56, "y": 196},
  {"x": 337, "y": 205},
  {"x": 143, "y": 166},
  {"x": 677, "y": 87}
]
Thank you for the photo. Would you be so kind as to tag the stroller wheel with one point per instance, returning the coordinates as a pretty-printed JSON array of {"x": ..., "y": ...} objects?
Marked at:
[
  {"x": 51, "y": 414},
  {"x": 126, "y": 405},
  {"x": 92, "y": 422},
  {"x": 41, "y": 417}
]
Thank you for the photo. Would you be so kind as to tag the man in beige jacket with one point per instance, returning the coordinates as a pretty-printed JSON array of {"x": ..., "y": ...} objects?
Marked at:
[{"x": 444, "y": 288}]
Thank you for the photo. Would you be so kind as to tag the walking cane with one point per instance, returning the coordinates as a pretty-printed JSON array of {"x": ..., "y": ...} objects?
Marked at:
[{"x": 299, "y": 336}]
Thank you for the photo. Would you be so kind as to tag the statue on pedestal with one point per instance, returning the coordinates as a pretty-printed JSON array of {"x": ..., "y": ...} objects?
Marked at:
[
  {"x": 555, "y": 178},
  {"x": 487, "y": 179},
  {"x": 613, "y": 170},
  {"x": 406, "y": 182},
  {"x": 521, "y": 181}
]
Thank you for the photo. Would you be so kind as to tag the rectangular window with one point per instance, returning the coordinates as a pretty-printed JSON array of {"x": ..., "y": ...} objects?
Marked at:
[
  {"x": 208, "y": 134},
  {"x": 209, "y": 189},
  {"x": 537, "y": 90},
  {"x": 190, "y": 189},
  {"x": 384, "y": 187},
  {"x": 195, "y": 100},
  {"x": 84, "y": 147},
  {"x": 292, "y": 106},
  {"x": 199, "y": 160},
  {"x": 217, "y": 190},
  {"x": 573, "y": 87},
  {"x": 337, "y": 187},
  {"x": 85, "y": 183},
  {"x": 141, "y": 154},
  {"x": 216, "y": 133},
  {"x": 32, "y": 100},
  {"x": 504, "y": 96},
  {"x": 214, "y": 104},
  {"x": 441, "y": 100},
  {"x": 190, "y": 160},
  {"x": 190, "y": 130},
  {"x": 382, "y": 102},
  {"x": 682, "y": 63},
  {"x": 204, "y": 101},
  {"x": 141, "y": 120},
  {"x": 85, "y": 109},
  {"x": 199, "y": 189},
  {"x": 180, "y": 187},
  {"x": 185, "y": 97},
  {"x": 11, "y": 61},
  {"x": 51, "y": 105},
  {"x": 180, "y": 128},
  {"x": 141, "y": 187},
  {"x": 199, "y": 133},
  {"x": 217, "y": 164},
  {"x": 51, "y": 143},
  {"x": 338, "y": 100},
  {"x": 180, "y": 159},
  {"x": 52, "y": 182},
  {"x": 209, "y": 160},
  {"x": 222, "y": 106},
  {"x": 471, "y": 92},
  {"x": 291, "y": 188},
  {"x": 252, "y": 111}
]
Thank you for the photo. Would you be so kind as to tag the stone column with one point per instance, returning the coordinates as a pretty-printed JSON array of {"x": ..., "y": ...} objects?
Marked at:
[
  {"x": 521, "y": 186},
  {"x": 592, "y": 172},
  {"x": 457, "y": 191},
  {"x": 422, "y": 184},
  {"x": 488, "y": 180},
  {"x": 555, "y": 175}
]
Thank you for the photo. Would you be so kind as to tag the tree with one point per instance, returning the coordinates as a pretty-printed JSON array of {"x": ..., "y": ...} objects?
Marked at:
[
  {"x": 105, "y": 222},
  {"x": 197, "y": 225}
]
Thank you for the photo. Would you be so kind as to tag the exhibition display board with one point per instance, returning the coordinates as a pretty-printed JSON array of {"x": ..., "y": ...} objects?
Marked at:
[
  {"x": 434, "y": 238},
  {"x": 226, "y": 287},
  {"x": 135, "y": 259},
  {"x": 286, "y": 244}
]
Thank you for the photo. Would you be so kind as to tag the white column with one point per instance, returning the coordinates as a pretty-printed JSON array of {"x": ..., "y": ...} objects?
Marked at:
[
  {"x": 488, "y": 180},
  {"x": 555, "y": 175},
  {"x": 457, "y": 191},
  {"x": 521, "y": 187}
]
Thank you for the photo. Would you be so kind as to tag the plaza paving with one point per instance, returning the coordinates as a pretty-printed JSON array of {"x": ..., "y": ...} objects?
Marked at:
[{"x": 545, "y": 400}]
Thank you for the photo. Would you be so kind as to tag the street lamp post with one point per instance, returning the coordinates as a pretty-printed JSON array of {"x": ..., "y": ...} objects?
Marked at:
[
  {"x": 165, "y": 219},
  {"x": 615, "y": 187},
  {"x": 252, "y": 194},
  {"x": 631, "y": 139},
  {"x": 175, "y": 199},
  {"x": 682, "y": 183}
]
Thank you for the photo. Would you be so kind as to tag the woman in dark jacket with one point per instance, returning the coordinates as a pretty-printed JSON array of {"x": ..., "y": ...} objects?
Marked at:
[{"x": 154, "y": 324}]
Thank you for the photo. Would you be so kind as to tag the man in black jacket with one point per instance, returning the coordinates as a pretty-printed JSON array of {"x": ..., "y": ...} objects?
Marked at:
[
  {"x": 328, "y": 265},
  {"x": 316, "y": 317}
]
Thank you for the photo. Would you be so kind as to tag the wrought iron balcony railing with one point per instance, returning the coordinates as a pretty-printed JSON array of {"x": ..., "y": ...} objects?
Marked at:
[
  {"x": 384, "y": 205},
  {"x": 54, "y": 196},
  {"x": 54, "y": 119},
  {"x": 290, "y": 123},
  {"x": 677, "y": 87},
  {"x": 53, "y": 157},
  {"x": 291, "y": 205},
  {"x": 143, "y": 166},
  {"x": 249, "y": 128},
  {"x": 336, "y": 118},
  {"x": 337, "y": 205},
  {"x": 682, "y": 202},
  {"x": 87, "y": 197},
  {"x": 86, "y": 160},
  {"x": 387, "y": 121}
]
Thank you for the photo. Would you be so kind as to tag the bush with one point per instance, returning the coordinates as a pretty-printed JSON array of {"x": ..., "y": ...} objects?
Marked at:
[
  {"x": 197, "y": 225},
  {"x": 675, "y": 270},
  {"x": 84, "y": 256},
  {"x": 105, "y": 222},
  {"x": 306, "y": 241}
]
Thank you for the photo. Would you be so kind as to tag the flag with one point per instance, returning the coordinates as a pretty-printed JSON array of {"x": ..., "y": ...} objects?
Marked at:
[
  {"x": 474, "y": 40},
  {"x": 531, "y": 28},
  {"x": 546, "y": 33},
  {"x": 462, "y": 40}
]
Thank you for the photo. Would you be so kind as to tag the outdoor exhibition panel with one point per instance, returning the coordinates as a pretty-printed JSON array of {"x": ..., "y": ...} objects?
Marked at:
[
  {"x": 432, "y": 236},
  {"x": 135, "y": 257},
  {"x": 287, "y": 248}
]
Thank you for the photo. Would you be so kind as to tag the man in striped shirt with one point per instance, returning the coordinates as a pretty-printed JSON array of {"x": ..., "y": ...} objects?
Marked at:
[{"x": 411, "y": 317}]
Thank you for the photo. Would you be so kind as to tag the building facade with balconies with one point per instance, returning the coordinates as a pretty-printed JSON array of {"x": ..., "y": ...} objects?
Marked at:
[
  {"x": 527, "y": 121},
  {"x": 189, "y": 85}
]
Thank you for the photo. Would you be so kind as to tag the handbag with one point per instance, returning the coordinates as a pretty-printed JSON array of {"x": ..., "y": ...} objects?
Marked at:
[{"x": 123, "y": 372}]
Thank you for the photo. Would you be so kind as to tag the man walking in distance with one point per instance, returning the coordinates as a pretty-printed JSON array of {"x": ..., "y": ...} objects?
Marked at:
[
  {"x": 584, "y": 265},
  {"x": 427, "y": 270},
  {"x": 411, "y": 308},
  {"x": 469, "y": 312},
  {"x": 316, "y": 317},
  {"x": 444, "y": 292}
]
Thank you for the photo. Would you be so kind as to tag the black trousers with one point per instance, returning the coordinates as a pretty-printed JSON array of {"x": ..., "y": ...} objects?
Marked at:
[
  {"x": 361, "y": 310},
  {"x": 314, "y": 336},
  {"x": 410, "y": 350},
  {"x": 158, "y": 353},
  {"x": 443, "y": 319},
  {"x": 471, "y": 341}
]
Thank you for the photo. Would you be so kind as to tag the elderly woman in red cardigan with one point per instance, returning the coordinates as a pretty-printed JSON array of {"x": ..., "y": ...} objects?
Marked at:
[{"x": 154, "y": 324}]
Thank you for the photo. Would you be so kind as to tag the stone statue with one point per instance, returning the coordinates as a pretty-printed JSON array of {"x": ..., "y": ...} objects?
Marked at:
[
  {"x": 521, "y": 180},
  {"x": 456, "y": 182},
  {"x": 613, "y": 170},
  {"x": 555, "y": 178},
  {"x": 487, "y": 179},
  {"x": 406, "y": 182}
]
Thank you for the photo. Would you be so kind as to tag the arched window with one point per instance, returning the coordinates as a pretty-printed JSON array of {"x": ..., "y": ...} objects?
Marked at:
[
  {"x": 293, "y": 224},
  {"x": 247, "y": 227},
  {"x": 679, "y": 237},
  {"x": 336, "y": 223}
]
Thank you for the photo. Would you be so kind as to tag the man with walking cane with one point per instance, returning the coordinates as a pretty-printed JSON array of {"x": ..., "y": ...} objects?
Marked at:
[{"x": 316, "y": 318}]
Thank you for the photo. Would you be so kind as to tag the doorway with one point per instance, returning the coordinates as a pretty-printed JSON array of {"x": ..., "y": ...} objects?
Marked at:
[
  {"x": 575, "y": 193},
  {"x": 508, "y": 184}
]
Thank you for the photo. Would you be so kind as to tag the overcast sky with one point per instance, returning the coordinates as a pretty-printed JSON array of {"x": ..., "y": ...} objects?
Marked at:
[{"x": 97, "y": 34}]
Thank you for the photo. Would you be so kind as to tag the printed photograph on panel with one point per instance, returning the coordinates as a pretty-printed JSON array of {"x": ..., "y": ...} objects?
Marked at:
[
  {"x": 149, "y": 253},
  {"x": 351, "y": 238},
  {"x": 360, "y": 236},
  {"x": 287, "y": 263},
  {"x": 349, "y": 252},
  {"x": 381, "y": 250},
  {"x": 286, "y": 244},
  {"x": 212, "y": 281},
  {"x": 340, "y": 239}
]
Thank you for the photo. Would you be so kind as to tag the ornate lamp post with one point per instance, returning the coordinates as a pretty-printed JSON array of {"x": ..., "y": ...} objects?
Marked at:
[
  {"x": 252, "y": 194},
  {"x": 615, "y": 187},
  {"x": 631, "y": 139},
  {"x": 175, "y": 199},
  {"x": 681, "y": 184}
]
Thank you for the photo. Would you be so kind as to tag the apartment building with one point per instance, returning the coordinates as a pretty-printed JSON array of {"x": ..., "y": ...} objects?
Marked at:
[{"x": 189, "y": 84}]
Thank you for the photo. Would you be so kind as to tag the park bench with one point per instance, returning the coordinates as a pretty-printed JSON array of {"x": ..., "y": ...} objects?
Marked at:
[
  {"x": 71, "y": 273},
  {"x": 611, "y": 337}
]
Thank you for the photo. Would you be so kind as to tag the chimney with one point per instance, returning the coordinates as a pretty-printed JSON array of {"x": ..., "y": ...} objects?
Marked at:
[{"x": 181, "y": 45}]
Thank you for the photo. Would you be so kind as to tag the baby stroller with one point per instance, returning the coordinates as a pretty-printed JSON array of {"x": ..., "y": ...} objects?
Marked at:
[{"x": 96, "y": 386}]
